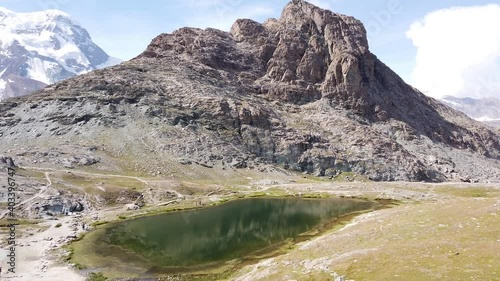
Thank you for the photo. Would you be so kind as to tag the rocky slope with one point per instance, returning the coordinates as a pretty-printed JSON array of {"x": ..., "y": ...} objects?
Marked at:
[
  {"x": 41, "y": 48},
  {"x": 302, "y": 92}
]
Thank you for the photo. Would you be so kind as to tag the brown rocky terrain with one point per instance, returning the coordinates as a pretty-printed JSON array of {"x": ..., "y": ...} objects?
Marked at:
[{"x": 302, "y": 92}]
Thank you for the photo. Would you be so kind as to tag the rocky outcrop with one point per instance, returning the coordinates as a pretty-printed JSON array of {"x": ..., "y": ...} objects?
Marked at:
[
  {"x": 7, "y": 161},
  {"x": 58, "y": 206},
  {"x": 302, "y": 92},
  {"x": 309, "y": 54}
]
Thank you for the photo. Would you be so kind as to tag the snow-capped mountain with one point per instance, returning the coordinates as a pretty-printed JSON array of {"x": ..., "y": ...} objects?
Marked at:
[
  {"x": 41, "y": 48},
  {"x": 485, "y": 109}
]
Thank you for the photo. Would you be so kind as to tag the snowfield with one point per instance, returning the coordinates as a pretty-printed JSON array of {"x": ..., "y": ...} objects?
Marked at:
[{"x": 46, "y": 46}]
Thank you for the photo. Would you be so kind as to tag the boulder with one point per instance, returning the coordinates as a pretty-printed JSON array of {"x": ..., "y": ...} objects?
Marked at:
[
  {"x": 130, "y": 207},
  {"x": 7, "y": 161}
]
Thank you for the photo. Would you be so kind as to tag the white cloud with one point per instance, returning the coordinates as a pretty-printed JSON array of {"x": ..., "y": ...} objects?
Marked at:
[
  {"x": 221, "y": 14},
  {"x": 458, "y": 52}
]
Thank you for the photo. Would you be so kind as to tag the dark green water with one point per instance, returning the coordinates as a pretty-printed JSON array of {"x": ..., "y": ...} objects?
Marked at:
[{"x": 208, "y": 236}]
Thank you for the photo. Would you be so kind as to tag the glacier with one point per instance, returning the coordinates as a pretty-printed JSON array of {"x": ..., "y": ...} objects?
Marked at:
[{"x": 42, "y": 48}]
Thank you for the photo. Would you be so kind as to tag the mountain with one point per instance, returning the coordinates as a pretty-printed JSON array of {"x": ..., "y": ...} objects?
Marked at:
[
  {"x": 42, "y": 48},
  {"x": 301, "y": 93},
  {"x": 486, "y": 110}
]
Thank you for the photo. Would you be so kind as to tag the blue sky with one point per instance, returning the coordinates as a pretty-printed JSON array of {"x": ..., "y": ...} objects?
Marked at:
[{"x": 125, "y": 28}]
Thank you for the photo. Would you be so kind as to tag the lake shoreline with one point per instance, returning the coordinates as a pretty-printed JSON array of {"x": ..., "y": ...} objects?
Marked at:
[
  {"x": 40, "y": 248},
  {"x": 219, "y": 268}
]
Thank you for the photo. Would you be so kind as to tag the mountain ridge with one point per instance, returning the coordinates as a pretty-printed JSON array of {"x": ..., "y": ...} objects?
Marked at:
[
  {"x": 485, "y": 110},
  {"x": 301, "y": 92},
  {"x": 41, "y": 48}
]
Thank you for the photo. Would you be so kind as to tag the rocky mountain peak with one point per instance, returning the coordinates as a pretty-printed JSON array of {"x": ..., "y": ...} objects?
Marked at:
[
  {"x": 306, "y": 48},
  {"x": 310, "y": 19}
]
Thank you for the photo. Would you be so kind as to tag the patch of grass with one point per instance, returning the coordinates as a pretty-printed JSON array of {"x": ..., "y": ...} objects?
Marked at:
[
  {"x": 202, "y": 277},
  {"x": 257, "y": 194},
  {"x": 468, "y": 192},
  {"x": 77, "y": 180},
  {"x": 70, "y": 254},
  {"x": 109, "y": 188},
  {"x": 275, "y": 191},
  {"x": 31, "y": 174},
  {"x": 80, "y": 236},
  {"x": 97, "y": 223},
  {"x": 316, "y": 195},
  {"x": 79, "y": 266},
  {"x": 6, "y": 223},
  {"x": 96, "y": 277},
  {"x": 311, "y": 179},
  {"x": 58, "y": 225},
  {"x": 349, "y": 177}
]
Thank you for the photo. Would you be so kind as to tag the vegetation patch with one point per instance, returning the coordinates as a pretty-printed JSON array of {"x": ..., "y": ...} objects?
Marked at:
[
  {"x": 97, "y": 223},
  {"x": 6, "y": 223},
  {"x": 96, "y": 277},
  {"x": 474, "y": 192}
]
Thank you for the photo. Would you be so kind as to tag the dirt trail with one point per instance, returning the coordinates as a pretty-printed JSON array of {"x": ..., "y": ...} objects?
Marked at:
[
  {"x": 42, "y": 191},
  {"x": 85, "y": 173},
  {"x": 146, "y": 182}
]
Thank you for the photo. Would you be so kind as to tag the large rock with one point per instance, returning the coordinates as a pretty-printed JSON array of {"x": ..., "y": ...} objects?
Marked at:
[
  {"x": 7, "y": 161},
  {"x": 76, "y": 207},
  {"x": 58, "y": 205}
]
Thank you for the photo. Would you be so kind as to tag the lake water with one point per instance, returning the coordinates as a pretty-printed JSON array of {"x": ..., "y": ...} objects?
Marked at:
[{"x": 194, "y": 240}]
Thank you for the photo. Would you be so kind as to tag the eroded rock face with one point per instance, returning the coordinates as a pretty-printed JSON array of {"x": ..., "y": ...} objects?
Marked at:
[
  {"x": 302, "y": 92},
  {"x": 57, "y": 206},
  {"x": 306, "y": 54},
  {"x": 7, "y": 161}
]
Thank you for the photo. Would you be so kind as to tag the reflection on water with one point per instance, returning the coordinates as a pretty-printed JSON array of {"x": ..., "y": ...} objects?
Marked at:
[{"x": 217, "y": 234}]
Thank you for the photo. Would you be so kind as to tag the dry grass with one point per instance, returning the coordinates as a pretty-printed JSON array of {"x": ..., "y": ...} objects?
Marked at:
[{"x": 474, "y": 192}]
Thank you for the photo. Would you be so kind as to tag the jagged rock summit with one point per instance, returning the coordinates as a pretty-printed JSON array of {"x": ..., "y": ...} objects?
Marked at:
[
  {"x": 41, "y": 48},
  {"x": 302, "y": 92},
  {"x": 306, "y": 48}
]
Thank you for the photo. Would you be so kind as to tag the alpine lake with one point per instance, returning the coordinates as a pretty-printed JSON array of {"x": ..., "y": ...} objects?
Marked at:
[{"x": 212, "y": 240}]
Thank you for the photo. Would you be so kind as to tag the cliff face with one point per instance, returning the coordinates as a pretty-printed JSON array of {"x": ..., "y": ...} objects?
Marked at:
[
  {"x": 301, "y": 92},
  {"x": 311, "y": 54},
  {"x": 307, "y": 54}
]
